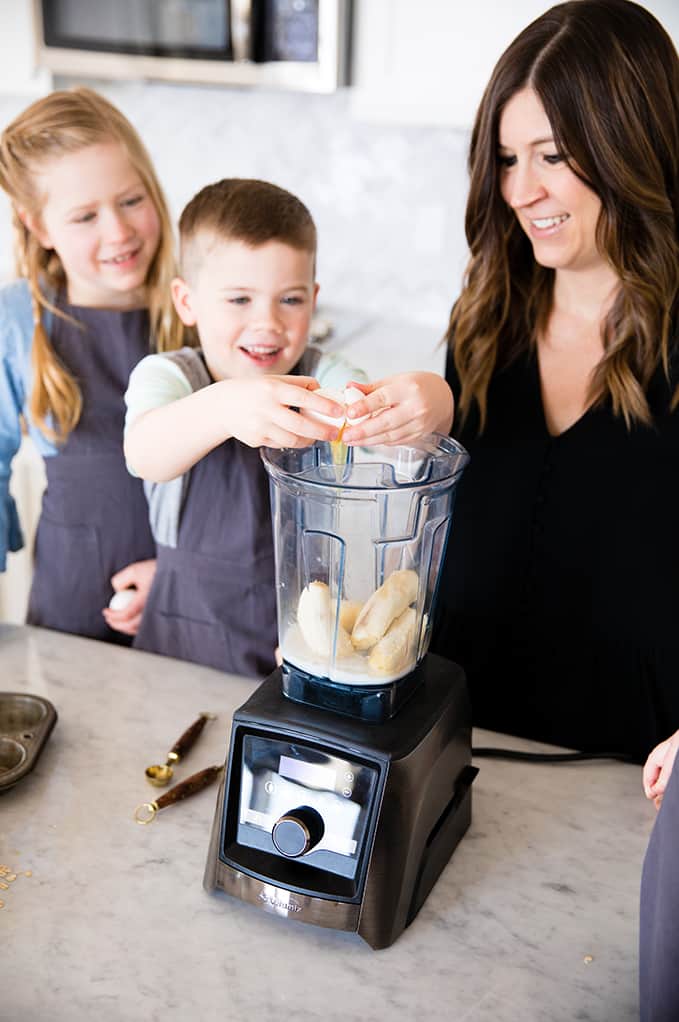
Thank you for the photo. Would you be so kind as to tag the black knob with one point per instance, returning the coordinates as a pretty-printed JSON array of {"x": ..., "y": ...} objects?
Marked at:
[{"x": 298, "y": 831}]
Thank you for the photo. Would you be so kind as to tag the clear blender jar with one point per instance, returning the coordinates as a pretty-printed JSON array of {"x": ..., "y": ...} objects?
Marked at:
[{"x": 359, "y": 547}]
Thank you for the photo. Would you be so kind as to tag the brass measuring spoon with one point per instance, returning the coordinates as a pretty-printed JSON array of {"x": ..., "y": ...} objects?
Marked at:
[
  {"x": 146, "y": 812},
  {"x": 160, "y": 774}
]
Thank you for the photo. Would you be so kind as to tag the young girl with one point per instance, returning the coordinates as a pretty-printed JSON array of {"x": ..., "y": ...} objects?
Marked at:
[{"x": 94, "y": 251}]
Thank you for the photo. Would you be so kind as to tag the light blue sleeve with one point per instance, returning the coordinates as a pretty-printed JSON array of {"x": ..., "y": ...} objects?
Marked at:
[
  {"x": 334, "y": 372},
  {"x": 154, "y": 382},
  {"x": 12, "y": 400},
  {"x": 16, "y": 342}
]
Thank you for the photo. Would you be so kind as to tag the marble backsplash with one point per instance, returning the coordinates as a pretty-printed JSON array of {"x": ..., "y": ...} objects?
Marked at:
[{"x": 388, "y": 201}]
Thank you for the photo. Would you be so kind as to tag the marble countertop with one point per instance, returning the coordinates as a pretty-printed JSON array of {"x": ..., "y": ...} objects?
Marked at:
[{"x": 113, "y": 922}]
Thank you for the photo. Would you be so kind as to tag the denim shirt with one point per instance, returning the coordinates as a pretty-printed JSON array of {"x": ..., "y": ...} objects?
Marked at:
[{"x": 16, "y": 338}]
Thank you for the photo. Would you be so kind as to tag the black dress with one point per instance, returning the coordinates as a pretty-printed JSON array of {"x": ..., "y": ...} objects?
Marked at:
[{"x": 560, "y": 588}]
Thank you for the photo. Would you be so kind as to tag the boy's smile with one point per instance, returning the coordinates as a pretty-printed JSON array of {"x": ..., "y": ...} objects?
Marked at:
[{"x": 252, "y": 306}]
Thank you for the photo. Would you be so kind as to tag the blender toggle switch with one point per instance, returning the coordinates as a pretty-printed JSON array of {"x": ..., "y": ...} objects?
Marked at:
[{"x": 298, "y": 831}]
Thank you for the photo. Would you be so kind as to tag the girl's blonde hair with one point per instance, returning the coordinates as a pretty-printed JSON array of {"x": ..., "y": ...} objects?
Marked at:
[{"x": 62, "y": 123}]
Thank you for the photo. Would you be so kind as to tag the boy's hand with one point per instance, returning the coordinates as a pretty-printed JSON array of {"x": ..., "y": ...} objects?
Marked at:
[
  {"x": 402, "y": 408},
  {"x": 262, "y": 411},
  {"x": 138, "y": 577}
]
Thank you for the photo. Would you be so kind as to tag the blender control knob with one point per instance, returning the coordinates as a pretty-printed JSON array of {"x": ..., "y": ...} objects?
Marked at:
[{"x": 298, "y": 831}]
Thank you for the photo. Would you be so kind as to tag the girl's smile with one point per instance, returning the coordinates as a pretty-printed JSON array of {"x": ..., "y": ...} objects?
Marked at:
[{"x": 124, "y": 261}]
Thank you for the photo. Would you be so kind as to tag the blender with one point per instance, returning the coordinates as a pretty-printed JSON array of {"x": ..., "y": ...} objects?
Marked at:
[{"x": 349, "y": 774}]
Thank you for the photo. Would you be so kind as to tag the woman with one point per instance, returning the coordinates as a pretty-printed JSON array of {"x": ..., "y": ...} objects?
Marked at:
[{"x": 560, "y": 594}]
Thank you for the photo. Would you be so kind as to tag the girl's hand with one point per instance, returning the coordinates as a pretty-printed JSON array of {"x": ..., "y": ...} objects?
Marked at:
[
  {"x": 138, "y": 577},
  {"x": 262, "y": 412},
  {"x": 402, "y": 408},
  {"x": 658, "y": 767}
]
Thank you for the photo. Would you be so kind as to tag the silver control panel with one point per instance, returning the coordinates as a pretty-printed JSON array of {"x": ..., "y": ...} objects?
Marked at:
[{"x": 304, "y": 802}]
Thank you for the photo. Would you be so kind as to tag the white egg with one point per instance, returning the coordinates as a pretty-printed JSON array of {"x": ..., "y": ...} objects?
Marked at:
[
  {"x": 351, "y": 396},
  {"x": 122, "y": 599},
  {"x": 332, "y": 395},
  {"x": 347, "y": 396}
]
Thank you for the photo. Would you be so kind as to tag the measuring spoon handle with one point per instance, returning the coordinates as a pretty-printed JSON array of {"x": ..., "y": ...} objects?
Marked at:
[
  {"x": 191, "y": 786},
  {"x": 188, "y": 739}
]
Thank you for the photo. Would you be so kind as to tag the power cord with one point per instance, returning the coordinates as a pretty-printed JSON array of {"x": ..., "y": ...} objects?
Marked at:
[{"x": 549, "y": 757}]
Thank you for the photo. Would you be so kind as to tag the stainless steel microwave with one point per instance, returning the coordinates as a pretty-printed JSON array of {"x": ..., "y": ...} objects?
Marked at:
[{"x": 294, "y": 44}]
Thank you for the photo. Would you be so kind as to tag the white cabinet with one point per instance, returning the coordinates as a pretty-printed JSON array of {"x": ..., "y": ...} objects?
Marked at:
[
  {"x": 18, "y": 71},
  {"x": 428, "y": 61}
]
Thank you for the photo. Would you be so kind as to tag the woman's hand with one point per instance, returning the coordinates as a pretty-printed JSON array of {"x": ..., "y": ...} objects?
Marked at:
[
  {"x": 138, "y": 577},
  {"x": 262, "y": 412},
  {"x": 402, "y": 408},
  {"x": 658, "y": 767}
]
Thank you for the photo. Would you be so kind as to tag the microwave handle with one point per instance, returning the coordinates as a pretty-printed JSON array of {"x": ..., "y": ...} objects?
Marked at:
[{"x": 240, "y": 13}]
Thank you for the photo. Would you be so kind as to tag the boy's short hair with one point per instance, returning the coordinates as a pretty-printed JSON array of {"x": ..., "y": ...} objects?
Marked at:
[{"x": 246, "y": 210}]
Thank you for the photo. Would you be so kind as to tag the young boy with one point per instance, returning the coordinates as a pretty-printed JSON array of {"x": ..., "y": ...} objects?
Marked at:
[{"x": 196, "y": 418}]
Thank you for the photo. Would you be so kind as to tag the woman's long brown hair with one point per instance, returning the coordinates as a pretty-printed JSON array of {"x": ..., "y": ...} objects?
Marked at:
[
  {"x": 607, "y": 75},
  {"x": 65, "y": 122}
]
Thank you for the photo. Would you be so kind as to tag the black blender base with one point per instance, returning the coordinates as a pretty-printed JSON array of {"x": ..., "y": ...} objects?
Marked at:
[
  {"x": 420, "y": 810},
  {"x": 444, "y": 838},
  {"x": 373, "y": 704}
]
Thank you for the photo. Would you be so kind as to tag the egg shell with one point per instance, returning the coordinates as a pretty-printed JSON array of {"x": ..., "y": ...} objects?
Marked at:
[
  {"x": 332, "y": 395},
  {"x": 351, "y": 396},
  {"x": 122, "y": 599},
  {"x": 347, "y": 396}
]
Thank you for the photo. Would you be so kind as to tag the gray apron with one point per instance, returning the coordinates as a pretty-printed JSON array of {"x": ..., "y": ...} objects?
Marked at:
[
  {"x": 94, "y": 518},
  {"x": 659, "y": 923},
  {"x": 213, "y": 599}
]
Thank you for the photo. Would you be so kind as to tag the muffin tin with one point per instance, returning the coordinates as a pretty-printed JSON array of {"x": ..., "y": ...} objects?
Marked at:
[{"x": 26, "y": 722}]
